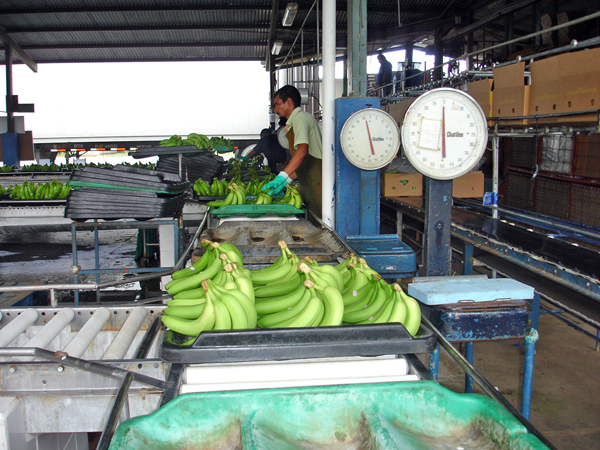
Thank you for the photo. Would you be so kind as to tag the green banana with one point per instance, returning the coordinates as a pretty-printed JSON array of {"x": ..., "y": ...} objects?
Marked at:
[
  {"x": 197, "y": 293},
  {"x": 278, "y": 289},
  {"x": 222, "y": 317},
  {"x": 185, "y": 312},
  {"x": 359, "y": 279},
  {"x": 376, "y": 301},
  {"x": 186, "y": 301},
  {"x": 239, "y": 320},
  {"x": 272, "y": 320},
  {"x": 193, "y": 328},
  {"x": 330, "y": 270},
  {"x": 359, "y": 294},
  {"x": 231, "y": 251},
  {"x": 413, "y": 311},
  {"x": 398, "y": 312},
  {"x": 334, "y": 306},
  {"x": 245, "y": 302},
  {"x": 197, "y": 267},
  {"x": 262, "y": 277},
  {"x": 275, "y": 304},
  {"x": 185, "y": 284},
  {"x": 319, "y": 316},
  {"x": 307, "y": 316}
]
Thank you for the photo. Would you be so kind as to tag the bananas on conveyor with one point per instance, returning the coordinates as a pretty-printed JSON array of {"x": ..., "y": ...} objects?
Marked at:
[{"x": 218, "y": 293}]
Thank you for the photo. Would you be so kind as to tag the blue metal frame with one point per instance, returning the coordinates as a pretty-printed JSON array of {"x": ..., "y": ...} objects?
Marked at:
[
  {"x": 118, "y": 225},
  {"x": 555, "y": 273}
]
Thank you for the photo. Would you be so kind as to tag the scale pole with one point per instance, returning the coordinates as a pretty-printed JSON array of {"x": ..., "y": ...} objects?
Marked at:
[{"x": 436, "y": 239}]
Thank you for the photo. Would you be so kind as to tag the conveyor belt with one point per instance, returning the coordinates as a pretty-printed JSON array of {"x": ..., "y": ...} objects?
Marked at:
[{"x": 568, "y": 264}]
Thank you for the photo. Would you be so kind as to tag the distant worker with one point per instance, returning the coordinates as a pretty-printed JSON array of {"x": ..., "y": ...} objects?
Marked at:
[
  {"x": 305, "y": 145},
  {"x": 385, "y": 75},
  {"x": 269, "y": 147}
]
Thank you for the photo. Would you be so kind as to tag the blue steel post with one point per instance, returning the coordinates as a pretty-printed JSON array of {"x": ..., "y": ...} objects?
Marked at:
[
  {"x": 436, "y": 244},
  {"x": 468, "y": 259},
  {"x": 10, "y": 149},
  {"x": 469, "y": 358},
  {"x": 534, "y": 315},
  {"x": 434, "y": 362},
  {"x": 529, "y": 341},
  {"x": 369, "y": 202}
]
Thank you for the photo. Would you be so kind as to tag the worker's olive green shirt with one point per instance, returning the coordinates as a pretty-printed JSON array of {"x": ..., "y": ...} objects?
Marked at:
[{"x": 306, "y": 131}]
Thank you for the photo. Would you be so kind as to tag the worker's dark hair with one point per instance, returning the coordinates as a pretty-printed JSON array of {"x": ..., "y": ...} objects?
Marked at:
[
  {"x": 265, "y": 132},
  {"x": 289, "y": 91}
]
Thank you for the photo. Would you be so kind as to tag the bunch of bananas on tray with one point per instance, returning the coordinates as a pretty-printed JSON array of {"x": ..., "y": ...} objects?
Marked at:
[
  {"x": 28, "y": 190},
  {"x": 218, "y": 293},
  {"x": 236, "y": 196},
  {"x": 291, "y": 197},
  {"x": 219, "y": 187}
]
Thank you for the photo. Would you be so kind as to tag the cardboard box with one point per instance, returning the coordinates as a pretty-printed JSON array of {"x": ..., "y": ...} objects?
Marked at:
[
  {"x": 481, "y": 91},
  {"x": 25, "y": 142},
  {"x": 398, "y": 110},
  {"x": 587, "y": 156},
  {"x": 545, "y": 94},
  {"x": 579, "y": 84},
  {"x": 469, "y": 185},
  {"x": 403, "y": 185},
  {"x": 511, "y": 94}
]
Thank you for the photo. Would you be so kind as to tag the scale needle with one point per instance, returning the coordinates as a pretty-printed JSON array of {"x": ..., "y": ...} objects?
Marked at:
[
  {"x": 370, "y": 141},
  {"x": 443, "y": 131}
]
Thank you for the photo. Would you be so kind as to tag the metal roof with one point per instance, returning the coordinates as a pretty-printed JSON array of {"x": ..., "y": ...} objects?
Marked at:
[{"x": 55, "y": 31}]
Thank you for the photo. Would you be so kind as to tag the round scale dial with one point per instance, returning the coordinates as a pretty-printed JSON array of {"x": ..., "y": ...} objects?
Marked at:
[
  {"x": 444, "y": 133},
  {"x": 370, "y": 138}
]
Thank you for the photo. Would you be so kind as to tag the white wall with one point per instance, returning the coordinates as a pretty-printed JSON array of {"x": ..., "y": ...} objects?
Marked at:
[{"x": 113, "y": 100}]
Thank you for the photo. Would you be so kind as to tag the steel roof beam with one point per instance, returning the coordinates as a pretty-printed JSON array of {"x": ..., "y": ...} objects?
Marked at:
[
  {"x": 17, "y": 50},
  {"x": 237, "y": 27},
  {"x": 146, "y": 45}
]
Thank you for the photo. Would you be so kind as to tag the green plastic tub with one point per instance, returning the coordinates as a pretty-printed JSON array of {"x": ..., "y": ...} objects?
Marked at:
[
  {"x": 282, "y": 210},
  {"x": 420, "y": 415}
]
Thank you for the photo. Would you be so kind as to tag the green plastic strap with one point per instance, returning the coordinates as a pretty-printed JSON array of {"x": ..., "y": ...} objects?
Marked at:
[
  {"x": 112, "y": 186},
  {"x": 256, "y": 210}
]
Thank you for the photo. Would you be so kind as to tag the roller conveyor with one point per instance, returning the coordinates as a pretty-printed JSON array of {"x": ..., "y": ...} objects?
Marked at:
[
  {"x": 61, "y": 368},
  {"x": 574, "y": 266}
]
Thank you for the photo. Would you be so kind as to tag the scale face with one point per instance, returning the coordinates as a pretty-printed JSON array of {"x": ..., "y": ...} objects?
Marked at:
[
  {"x": 444, "y": 133},
  {"x": 282, "y": 138},
  {"x": 370, "y": 138}
]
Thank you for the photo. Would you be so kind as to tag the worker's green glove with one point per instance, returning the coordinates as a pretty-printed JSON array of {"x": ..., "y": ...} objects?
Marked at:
[
  {"x": 243, "y": 158},
  {"x": 278, "y": 184}
]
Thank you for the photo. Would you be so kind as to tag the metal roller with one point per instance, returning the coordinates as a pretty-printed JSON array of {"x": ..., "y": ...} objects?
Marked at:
[
  {"x": 207, "y": 377},
  {"x": 88, "y": 332},
  {"x": 119, "y": 346},
  {"x": 49, "y": 331},
  {"x": 10, "y": 332}
]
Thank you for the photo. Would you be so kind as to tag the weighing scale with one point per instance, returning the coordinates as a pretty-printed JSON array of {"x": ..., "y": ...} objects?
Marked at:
[
  {"x": 367, "y": 139},
  {"x": 444, "y": 135}
]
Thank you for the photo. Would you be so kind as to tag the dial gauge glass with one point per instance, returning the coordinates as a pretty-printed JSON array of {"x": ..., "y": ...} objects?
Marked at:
[
  {"x": 444, "y": 133},
  {"x": 370, "y": 138}
]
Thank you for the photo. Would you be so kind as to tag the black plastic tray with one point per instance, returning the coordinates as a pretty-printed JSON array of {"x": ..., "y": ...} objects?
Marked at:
[{"x": 295, "y": 343}]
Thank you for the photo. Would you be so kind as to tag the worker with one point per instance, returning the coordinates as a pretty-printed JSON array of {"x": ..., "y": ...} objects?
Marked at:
[
  {"x": 304, "y": 137},
  {"x": 385, "y": 75},
  {"x": 269, "y": 147}
]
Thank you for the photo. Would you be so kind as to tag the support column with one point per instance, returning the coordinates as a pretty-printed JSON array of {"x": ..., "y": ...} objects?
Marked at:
[{"x": 357, "y": 47}]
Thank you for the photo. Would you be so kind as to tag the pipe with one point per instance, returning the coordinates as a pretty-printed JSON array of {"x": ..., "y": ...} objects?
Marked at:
[
  {"x": 62, "y": 358},
  {"x": 484, "y": 384},
  {"x": 52, "y": 329},
  {"x": 10, "y": 332},
  {"x": 328, "y": 104},
  {"x": 94, "y": 286},
  {"x": 119, "y": 346},
  {"x": 87, "y": 333}
]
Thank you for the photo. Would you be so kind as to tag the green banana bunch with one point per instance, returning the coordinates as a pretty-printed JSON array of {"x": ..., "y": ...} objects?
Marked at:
[
  {"x": 361, "y": 310},
  {"x": 202, "y": 188},
  {"x": 309, "y": 306},
  {"x": 278, "y": 270},
  {"x": 222, "y": 309},
  {"x": 205, "y": 260},
  {"x": 291, "y": 197},
  {"x": 50, "y": 190},
  {"x": 176, "y": 286},
  {"x": 217, "y": 141},
  {"x": 263, "y": 199},
  {"x": 173, "y": 141},
  {"x": 199, "y": 140},
  {"x": 356, "y": 279},
  {"x": 236, "y": 196}
]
